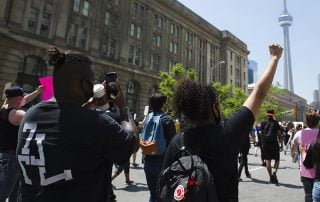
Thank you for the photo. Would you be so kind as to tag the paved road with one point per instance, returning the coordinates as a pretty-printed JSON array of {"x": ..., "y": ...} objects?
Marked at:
[{"x": 255, "y": 189}]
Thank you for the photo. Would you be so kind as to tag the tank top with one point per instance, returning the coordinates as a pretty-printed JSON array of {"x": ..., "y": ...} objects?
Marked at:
[{"x": 8, "y": 132}]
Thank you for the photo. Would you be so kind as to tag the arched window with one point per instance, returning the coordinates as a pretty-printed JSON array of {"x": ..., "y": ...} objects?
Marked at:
[
  {"x": 29, "y": 71},
  {"x": 133, "y": 98}
]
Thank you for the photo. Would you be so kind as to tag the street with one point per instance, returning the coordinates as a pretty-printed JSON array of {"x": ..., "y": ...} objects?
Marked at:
[{"x": 255, "y": 189}]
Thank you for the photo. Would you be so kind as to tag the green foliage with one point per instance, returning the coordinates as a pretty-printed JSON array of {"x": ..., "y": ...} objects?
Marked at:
[
  {"x": 230, "y": 98},
  {"x": 171, "y": 79}
]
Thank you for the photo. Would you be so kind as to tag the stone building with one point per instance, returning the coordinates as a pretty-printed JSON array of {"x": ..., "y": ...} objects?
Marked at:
[{"x": 135, "y": 38}]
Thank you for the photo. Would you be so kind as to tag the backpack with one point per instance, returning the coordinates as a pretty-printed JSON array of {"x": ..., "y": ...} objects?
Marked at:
[
  {"x": 270, "y": 132},
  {"x": 152, "y": 140},
  {"x": 187, "y": 179}
]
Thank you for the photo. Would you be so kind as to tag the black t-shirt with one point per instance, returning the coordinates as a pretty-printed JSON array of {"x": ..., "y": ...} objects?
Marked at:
[
  {"x": 65, "y": 152},
  {"x": 219, "y": 151},
  {"x": 8, "y": 132}
]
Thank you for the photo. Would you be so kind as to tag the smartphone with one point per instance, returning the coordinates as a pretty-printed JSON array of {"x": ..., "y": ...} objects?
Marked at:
[{"x": 111, "y": 77}]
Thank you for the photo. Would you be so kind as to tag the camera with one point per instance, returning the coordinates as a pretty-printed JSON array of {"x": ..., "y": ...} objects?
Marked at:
[{"x": 112, "y": 89}]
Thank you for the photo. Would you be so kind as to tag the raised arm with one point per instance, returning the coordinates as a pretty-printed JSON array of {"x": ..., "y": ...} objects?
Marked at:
[
  {"x": 33, "y": 95},
  {"x": 260, "y": 91}
]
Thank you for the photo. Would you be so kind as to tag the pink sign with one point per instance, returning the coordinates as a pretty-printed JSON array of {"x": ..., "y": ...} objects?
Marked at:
[
  {"x": 308, "y": 137},
  {"x": 47, "y": 84}
]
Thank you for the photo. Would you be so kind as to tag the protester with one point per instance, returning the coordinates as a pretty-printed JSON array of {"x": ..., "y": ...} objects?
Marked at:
[
  {"x": 304, "y": 138},
  {"x": 153, "y": 163},
  {"x": 272, "y": 144},
  {"x": 65, "y": 150},
  {"x": 311, "y": 160},
  {"x": 198, "y": 108},
  {"x": 244, "y": 151},
  {"x": 10, "y": 118}
]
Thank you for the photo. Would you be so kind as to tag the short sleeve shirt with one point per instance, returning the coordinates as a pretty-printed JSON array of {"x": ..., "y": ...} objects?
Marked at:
[
  {"x": 65, "y": 151},
  {"x": 219, "y": 150}
]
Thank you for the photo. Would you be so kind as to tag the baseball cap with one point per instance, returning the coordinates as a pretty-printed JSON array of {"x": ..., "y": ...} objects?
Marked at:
[
  {"x": 98, "y": 91},
  {"x": 270, "y": 112},
  {"x": 14, "y": 92}
]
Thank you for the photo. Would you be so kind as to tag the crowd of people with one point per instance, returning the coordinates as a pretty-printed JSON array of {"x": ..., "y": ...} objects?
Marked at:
[{"x": 64, "y": 149}]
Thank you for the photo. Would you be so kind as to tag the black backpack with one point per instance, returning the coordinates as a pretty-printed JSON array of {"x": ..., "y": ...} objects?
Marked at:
[
  {"x": 188, "y": 179},
  {"x": 270, "y": 131}
]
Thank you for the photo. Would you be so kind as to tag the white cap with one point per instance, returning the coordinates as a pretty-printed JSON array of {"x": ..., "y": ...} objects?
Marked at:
[{"x": 98, "y": 91}]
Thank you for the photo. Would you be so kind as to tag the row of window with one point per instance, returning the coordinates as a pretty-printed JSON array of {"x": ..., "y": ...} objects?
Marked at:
[{"x": 45, "y": 20}]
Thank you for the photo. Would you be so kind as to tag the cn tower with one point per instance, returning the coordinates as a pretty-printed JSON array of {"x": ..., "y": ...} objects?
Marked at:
[{"x": 285, "y": 21}]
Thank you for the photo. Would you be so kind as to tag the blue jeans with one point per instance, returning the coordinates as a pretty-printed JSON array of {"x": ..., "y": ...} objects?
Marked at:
[
  {"x": 9, "y": 177},
  {"x": 152, "y": 169},
  {"x": 316, "y": 191},
  {"x": 307, "y": 185}
]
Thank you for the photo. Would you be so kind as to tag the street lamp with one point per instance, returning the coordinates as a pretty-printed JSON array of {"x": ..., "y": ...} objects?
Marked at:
[{"x": 212, "y": 68}]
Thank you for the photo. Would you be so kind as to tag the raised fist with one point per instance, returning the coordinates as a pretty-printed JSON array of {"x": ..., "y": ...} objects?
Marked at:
[{"x": 275, "y": 51}]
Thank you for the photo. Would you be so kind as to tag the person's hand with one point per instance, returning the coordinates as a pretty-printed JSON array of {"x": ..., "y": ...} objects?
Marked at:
[
  {"x": 275, "y": 51},
  {"x": 303, "y": 148},
  {"x": 91, "y": 104},
  {"x": 120, "y": 100},
  {"x": 39, "y": 89}
]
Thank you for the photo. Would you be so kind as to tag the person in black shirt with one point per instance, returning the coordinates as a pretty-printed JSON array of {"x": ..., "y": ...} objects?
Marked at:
[
  {"x": 10, "y": 118},
  {"x": 243, "y": 159},
  {"x": 272, "y": 139},
  {"x": 65, "y": 150},
  {"x": 153, "y": 163},
  {"x": 198, "y": 107}
]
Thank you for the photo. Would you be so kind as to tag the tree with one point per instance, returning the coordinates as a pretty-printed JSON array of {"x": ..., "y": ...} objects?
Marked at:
[
  {"x": 170, "y": 81},
  {"x": 230, "y": 98}
]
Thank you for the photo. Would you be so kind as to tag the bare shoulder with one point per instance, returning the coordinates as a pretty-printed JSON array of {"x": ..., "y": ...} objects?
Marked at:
[{"x": 15, "y": 116}]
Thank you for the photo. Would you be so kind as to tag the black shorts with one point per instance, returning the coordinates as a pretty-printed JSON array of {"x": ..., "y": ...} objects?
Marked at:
[{"x": 271, "y": 151}]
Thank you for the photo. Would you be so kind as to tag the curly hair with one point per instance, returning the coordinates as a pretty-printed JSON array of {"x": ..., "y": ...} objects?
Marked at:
[{"x": 193, "y": 100}]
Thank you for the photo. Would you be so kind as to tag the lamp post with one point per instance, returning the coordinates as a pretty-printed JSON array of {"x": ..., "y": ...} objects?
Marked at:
[{"x": 214, "y": 66}]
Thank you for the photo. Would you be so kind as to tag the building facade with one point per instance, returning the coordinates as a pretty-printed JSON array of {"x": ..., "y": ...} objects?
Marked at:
[
  {"x": 135, "y": 38},
  {"x": 252, "y": 71}
]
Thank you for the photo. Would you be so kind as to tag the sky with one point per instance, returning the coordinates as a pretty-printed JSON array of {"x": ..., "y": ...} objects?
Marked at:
[{"x": 255, "y": 22}]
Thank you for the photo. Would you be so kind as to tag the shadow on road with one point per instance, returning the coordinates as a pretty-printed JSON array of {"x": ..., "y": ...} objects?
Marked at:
[
  {"x": 136, "y": 187},
  {"x": 291, "y": 186}
]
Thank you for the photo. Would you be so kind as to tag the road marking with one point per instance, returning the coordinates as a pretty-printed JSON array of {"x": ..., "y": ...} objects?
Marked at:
[{"x": 256, "y": 169}]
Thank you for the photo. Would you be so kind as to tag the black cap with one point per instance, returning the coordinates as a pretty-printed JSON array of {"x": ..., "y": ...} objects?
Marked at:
[
  {"x": 270, "y": 112},
  {"x": 14, "y": 92}
]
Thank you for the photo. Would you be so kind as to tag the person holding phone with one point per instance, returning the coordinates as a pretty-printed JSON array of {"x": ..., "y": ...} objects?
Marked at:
[{"x": 72, "y": 146}]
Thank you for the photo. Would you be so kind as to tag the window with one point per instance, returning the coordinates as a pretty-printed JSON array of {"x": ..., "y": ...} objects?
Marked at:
[
  {"x": 231, "y": 55},
  {"x": 116, "y": 2},
  {"x": 135, "y": 8},
  {"x": 76, "y": 6},
  {"x": 138, "y": 32},
  {"x": 83, "y": 39},
  {"x": 32, "y": 21},
  {"x": 137, "y": 57},
  {"x": 113, "y": 48},
  {"x": 131, "y": 54},
  {"x": 132, "y": 28},
  {"x": 155, "y": 62},
  {"x": 135, "y": 31},
  {"x": 189, "y": 54},
  {"x": 156, "y": 40},
  {"x": 158, "y": 21},
  {"x": 29, "y": 71},
  {"x": 134, "y": 55},
  {"x": 171, "y": 64},
  {"x": 44, "y": 29},
  {"x": 141, "y": 11},
  {"x": 107, "y": 18},
  {"x": 86, "y": 7},
  {"x": 72, "y": 34},
  {"x": 171, "y": 47},
  {"x": 115, "y": 19},
  {"x": 231, "y": 70},
  {"x": 133, "y": 90},
  {"x": 175, "y": 30},
  {"x": 176, "y": 46}
]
